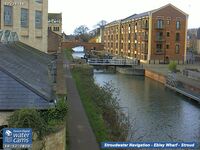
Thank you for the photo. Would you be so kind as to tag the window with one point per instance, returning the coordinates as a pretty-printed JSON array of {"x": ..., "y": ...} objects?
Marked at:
[
  {"x": 135, "y": 36},
  {"x": 167, "y": 46},
  {"x": 129, "y": 45},
  {"x": 135, "y": 45},
  {"x": 178, "y": 25},
  {"x": 159, "y": 48},
  {"x": 177, "y": 37},
  {"x": 129, "y": 28},
  {"x": 122, "y": 29},
  {"x": 177, "y": 49},
  {"x": 168, "y": 22},
  {"x": 24, "y": 17},
  {"x": 129, "y": 36},
  {"x": 38, "y": 19},
  {"x": 38, "y": 1},
  {"x": 116, "y": 45},
  {"x": 168, "y": 34},
  {"x": 136, "y": 26},
  {"x": 159, "y": 36},
  {"x": 160, "y": 24},
  {"x": 8, "y": 15}
]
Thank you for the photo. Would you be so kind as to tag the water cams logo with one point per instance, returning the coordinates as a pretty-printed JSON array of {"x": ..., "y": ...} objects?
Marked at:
[{"x": 17, "y": 138}]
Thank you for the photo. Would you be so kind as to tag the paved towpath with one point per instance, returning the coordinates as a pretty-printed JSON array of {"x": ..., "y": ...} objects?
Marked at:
[{"x": 81, "y": 136}]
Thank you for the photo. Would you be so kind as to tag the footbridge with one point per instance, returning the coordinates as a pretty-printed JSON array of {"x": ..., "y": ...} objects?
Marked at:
[{"x": 112, "y": 62}]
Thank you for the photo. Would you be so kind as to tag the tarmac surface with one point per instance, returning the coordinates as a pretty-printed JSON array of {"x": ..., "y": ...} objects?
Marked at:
[{"x": 81, "y": 136}]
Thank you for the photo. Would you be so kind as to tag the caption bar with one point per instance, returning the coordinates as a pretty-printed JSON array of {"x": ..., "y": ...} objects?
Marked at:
[{"x": 171, "y": 145}]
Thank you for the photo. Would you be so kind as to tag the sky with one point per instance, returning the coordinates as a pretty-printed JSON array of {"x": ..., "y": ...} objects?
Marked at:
[{"x": 90, "y": 12}]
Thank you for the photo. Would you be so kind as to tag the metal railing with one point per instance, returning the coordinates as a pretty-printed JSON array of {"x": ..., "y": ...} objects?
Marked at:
[
  {"x": 171, "y": 80},
  {"x": 113, "y": 62}
]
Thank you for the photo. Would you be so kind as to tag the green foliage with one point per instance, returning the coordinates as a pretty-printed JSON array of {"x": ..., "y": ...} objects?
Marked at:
[
  {"x": 41, "y": 122},
  {"x": 68, "y": 54},
  {"x": 102, "y": 107},
  {"x": 26, "y": 118},
  {"x": 172, "y": 66}
]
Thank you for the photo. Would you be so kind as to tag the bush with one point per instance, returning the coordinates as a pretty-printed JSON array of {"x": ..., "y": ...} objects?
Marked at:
[
  {"x": 102, "y": 107},
  {"x": 41, "y": 122},
  {"x": 172, "y": 66},
  {"x": 27, "y": 118}
]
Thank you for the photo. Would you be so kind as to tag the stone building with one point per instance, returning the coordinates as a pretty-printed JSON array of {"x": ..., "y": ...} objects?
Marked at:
[
  {"x": 28, "y": 18},
  {"x": 55, "y": 22},
  {"x": 159, "y": 34}
]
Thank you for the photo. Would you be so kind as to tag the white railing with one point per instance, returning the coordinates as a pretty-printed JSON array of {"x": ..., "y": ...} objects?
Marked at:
[{"x": 114, "y": 62}]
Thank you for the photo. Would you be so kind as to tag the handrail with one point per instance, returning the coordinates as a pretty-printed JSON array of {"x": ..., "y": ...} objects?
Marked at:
[{"x": 96, "y": 61}]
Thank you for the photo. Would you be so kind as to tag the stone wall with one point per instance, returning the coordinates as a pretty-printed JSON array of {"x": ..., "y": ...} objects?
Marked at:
[
  {"x": 4, "y": 116},
  {"x": 54, "y": 141},
  {"x": 130, "y": 71},
  {"x": 155, "y": 76}
]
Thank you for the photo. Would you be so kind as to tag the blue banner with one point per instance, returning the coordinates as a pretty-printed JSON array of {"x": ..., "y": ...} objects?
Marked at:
[
  {"x": 159, "y": 145},
  {"x": 17, "y": 138}
]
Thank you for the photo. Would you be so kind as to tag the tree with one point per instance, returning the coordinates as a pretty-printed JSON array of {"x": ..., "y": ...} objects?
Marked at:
[
  {"x": 172, "y": 66},
  {"x": 81, "y": 30},
  {"x": 81, "y": 33},
  {"x": 101, "y": 23}
]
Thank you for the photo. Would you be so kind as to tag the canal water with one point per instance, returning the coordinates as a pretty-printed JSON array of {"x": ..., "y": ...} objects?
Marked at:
[{"x": 156, "y": 113}]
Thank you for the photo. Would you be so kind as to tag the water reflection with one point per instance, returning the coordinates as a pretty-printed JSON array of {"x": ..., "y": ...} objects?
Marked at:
[{"x": 160, "y": 114}]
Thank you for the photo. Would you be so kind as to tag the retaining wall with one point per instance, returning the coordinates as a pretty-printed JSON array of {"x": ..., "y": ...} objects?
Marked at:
[{"x": 155, "y": 76}]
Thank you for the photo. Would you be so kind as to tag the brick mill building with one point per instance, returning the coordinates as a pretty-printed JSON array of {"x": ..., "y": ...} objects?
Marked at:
[{"x": 158, "y": 35}]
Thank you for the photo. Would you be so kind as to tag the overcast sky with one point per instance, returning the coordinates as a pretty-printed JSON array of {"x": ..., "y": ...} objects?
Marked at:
[{"x": 90, "y": 12}]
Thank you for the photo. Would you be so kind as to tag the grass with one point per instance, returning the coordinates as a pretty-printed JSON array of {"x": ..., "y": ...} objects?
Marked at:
[
  {"x": 93, "y": 113},
  {"x": 68, "y": 54},
  {"x": 102, "y": 109}
]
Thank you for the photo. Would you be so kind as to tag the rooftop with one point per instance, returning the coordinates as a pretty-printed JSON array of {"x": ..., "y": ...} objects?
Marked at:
[
  {"x": 25, "y": 77},
  {"x": 55, "y": 16}
]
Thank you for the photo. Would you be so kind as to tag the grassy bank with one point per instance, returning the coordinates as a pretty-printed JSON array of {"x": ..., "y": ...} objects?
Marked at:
[{"x": 102, "y": 109}]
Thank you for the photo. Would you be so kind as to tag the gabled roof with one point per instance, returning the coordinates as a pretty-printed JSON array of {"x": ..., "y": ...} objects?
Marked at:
[
  {"x": 171, "y": 6},
  {"x": 14, "y": 95},
  {"x": 113, "y": 23},
  {"x": 135, "y": 16},
  {"x": 29, "y": 67}
]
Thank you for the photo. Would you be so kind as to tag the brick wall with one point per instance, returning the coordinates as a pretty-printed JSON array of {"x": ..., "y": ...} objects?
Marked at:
[
  {"x": 54, "y": 42},
  {"x": 88, "y": 46},
  {"x": 155, "y": 76},
  {"x": 170, "y": 16}
]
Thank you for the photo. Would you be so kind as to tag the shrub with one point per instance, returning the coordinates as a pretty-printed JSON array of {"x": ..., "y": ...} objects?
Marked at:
[
  {"x": 27, "y": 118},
  {"x": 41, "y": 122},
  {"x": 102, "y": 106},
  {"x": 172, "y": 66}
]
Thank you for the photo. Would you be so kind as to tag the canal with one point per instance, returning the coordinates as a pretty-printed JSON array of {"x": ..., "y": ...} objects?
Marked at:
[{"x": 156, "y": 113}]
